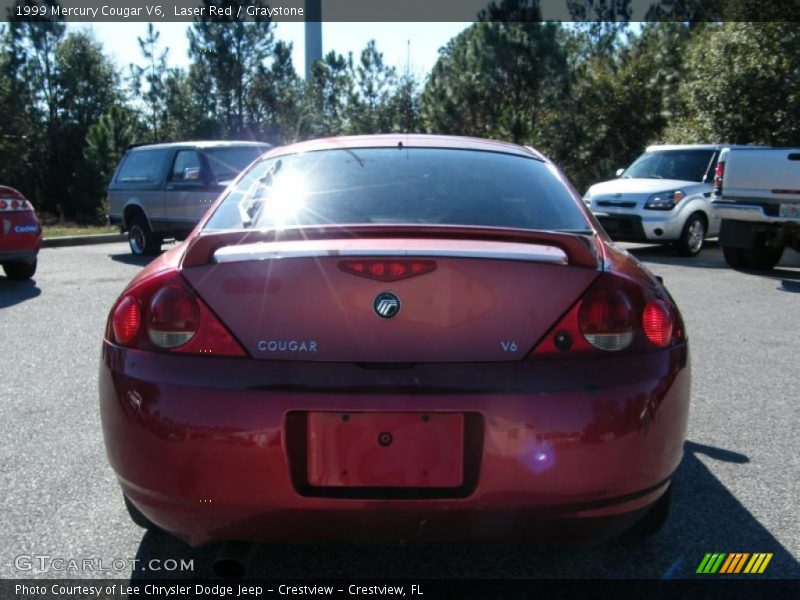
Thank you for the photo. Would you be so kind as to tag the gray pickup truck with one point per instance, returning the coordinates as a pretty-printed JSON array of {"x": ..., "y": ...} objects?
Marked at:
[
  {"x": 162, "y": 190},
  {"x": 757, "y": 196}
]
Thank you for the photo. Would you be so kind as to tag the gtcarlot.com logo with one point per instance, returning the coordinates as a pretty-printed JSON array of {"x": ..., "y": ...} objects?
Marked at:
[
  {"x": 727, "y": 563},
  {"x": 44, "y": 563}
]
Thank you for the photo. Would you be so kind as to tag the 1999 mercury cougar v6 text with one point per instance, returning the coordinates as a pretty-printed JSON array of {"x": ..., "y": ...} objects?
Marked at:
[{"x": 396, "y": 338}]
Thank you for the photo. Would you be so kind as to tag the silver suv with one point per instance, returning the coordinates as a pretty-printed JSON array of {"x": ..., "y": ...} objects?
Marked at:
[
  {"x": 663, "y": 197},
  {"x": 162, "y": 190}
]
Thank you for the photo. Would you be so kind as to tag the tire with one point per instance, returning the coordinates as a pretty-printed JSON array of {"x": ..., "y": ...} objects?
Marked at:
[
  {"x": 20, "y": 271},
  {"x": 734, "y": 257},
  {"x": 142, "y": 240},
  {"x": 762, "y": 257},
  {"x": 137, "y": 517},
  {"x": 692, "y": 236},
  {"x": 654, "y": 521}
]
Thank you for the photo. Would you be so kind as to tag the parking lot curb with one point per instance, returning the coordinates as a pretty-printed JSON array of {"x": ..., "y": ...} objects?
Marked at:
[{"x": 83, "y": 240}]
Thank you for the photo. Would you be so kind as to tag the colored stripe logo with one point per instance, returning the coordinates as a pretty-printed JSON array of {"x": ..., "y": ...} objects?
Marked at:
[{"x": 734, "y": 562}]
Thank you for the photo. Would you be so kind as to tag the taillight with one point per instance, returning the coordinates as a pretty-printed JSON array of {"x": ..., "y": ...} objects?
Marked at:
[
  {"x": 163, "y": 313},
  {"x": 606, "y": 319},
  {"x": 173, "y": 317},
  {"x": 14, "y": 205},
  {"x": 657, "y": 323},
  {"x": 719, "y": 173},
  {"x": 126, "y": 318},
  {"x": 387, "y": 270},
  {"x": 615, "y": 314}
]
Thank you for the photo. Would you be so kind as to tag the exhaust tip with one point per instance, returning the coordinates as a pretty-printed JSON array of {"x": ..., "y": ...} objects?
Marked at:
[{"x": 232, "y": 560}]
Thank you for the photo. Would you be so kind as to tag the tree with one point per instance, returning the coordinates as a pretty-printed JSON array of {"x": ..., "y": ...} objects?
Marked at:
[
  {"x": 495, "y": 80},
  {"x": 327, "y": 96},
  {"x": 620, "y": 99},
  {"x": 18, "y": 125},
  {"x": 742, "y": 85},
  {"x": 374, "y": 82},
  {"x": 277, "y": 97},
  {"x": 87, "y": 87},
  {"x": 229, "y": 52},
  {"x": 106, "y": 142},
  {"x": 149, "y": 82},
  {"x": 35, "y": 42},
  {"x": 404, "y": 107}
]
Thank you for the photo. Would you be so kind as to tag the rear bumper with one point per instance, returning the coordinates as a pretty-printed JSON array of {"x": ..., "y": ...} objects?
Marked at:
[
  {"x": 556, "y": 451},
  {"x": 754, "y": 213},
  {"x": 18, "y": 257},
  {"x": 20, "y": 237}
]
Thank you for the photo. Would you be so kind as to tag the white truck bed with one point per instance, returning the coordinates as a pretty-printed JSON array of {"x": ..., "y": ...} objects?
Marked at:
[{"x": 757, "y": 196}]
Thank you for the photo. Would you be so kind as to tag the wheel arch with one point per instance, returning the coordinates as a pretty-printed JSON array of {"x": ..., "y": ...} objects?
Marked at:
[
  {"x": 130, "y": 211},
  {"x": 701, "y": 212}
]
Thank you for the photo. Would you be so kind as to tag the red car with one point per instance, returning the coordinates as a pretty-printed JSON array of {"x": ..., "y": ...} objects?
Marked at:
[
  {"x": 20, "y": 234},
  {"x": 396, "y": 338}
]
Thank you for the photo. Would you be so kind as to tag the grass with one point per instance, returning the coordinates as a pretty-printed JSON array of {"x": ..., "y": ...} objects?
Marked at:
[{"x": 61, "y": 230}]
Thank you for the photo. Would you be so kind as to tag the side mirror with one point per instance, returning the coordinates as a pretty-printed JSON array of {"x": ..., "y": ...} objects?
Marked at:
[
  {"x": 620, "y": 172},
  {"x": 191, "y": 174}
]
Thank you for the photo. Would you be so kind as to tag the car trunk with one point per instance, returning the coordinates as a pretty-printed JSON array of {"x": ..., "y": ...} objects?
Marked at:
[{"x": 485, "y": 300}]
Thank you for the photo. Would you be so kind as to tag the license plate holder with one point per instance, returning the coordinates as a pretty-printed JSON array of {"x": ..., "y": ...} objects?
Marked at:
[{"x": 381, "y": 449}]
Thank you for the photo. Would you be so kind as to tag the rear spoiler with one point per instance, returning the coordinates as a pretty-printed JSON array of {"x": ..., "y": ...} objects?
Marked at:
[{"x": 581, "y": 250}]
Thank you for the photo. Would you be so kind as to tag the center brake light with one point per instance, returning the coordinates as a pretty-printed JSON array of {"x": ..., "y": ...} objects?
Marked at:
[
  {"x": 162, "y": 313},
  {"x": 387, "y": 270},
  {"x": 615, "y": 314}
]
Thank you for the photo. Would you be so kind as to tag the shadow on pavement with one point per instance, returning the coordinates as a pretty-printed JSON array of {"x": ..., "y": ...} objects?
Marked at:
[
  {"x": 711, "y": 258},
  {"x": 705, "y": 517},
  {"x": 790, "y": 286},
  {"x": 14, "y": 292},
  {"x": 132, "y": 259}
]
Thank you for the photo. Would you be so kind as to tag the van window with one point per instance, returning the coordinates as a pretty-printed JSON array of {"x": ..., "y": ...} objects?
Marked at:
[
  {"x": 186, "y": 159},
  {"x": 142, "y": 166},
  {"x": 227, "y": 161}
]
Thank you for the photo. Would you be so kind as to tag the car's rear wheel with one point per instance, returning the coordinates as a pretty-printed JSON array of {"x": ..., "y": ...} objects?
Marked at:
[
  {"x": 19, "y": 271},
  {"x": 692, "y": 236},
  {"x": 142, "y": 240},
  {"x": 138, "y": 518},
  {"x": 654, "y": 520}
]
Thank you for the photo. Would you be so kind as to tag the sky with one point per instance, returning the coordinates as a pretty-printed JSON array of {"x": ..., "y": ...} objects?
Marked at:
[{"x": 415, "y": 45}]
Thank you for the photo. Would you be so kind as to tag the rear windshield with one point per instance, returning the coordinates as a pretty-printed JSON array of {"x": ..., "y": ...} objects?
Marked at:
[
  {"x": 395, "y": 185},
  {"x": 686, "y": 165},
  {"x": 227, "y": 163}
]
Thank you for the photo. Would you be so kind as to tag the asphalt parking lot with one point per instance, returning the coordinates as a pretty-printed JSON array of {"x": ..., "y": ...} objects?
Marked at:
[{"x": 737, "y": 488}]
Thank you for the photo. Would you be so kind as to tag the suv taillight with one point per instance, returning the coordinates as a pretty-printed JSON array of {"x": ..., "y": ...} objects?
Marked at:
[
  {"x": 162, "y": 313},
  {"x": 719, "y": 173},
  {"x": 614, "y": 315}
]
